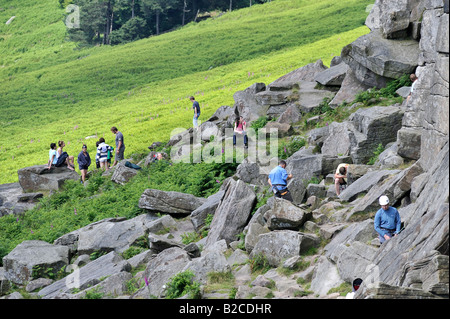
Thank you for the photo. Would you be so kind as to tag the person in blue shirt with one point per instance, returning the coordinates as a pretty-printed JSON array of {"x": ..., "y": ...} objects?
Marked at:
[
  {"x": 387, "y": 220},
  {"x": 278, "y": 178}
]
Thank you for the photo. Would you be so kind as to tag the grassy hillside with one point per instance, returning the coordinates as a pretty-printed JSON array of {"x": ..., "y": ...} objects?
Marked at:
[{"x": 51, "y": 91}]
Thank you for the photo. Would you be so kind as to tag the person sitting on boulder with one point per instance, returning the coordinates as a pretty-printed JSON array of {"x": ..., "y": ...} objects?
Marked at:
[
  {"x": 278, "y": 178},
  {"x": 340, "y": 178},
  {"x": 52, "y": 159},
  {"x": 387, "y": 220},
  {"x": 240, "y": 128},
  {"x": 63, "y": 157}
]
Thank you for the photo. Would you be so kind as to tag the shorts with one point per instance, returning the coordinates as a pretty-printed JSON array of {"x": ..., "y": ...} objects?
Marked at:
[
  {"x": 82, "y": 167},
  {"x": 120, "y": 155}
]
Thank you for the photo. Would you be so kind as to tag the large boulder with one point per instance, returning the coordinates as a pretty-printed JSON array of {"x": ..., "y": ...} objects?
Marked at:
[
  {"x": 427, "y": 231},
  {"x": 305, "y": 73},
  {"x": 5, "y": 284},
  {"x": 291, "y": 115},
  {"x": 325, "y": 277},
  {"x": 310, "y": 97},
  {"x": 161, "y": 269},
  {"x": 375, "y": 60},
  {"x": 279, "y": 245},
  {"x": 285, "y": 215},
  {"x": 396, "y": 19},
  {"x": 209, "y": 207},
  {"x": 247, "y": 105},
  {"x": 14, "y": 201},
  {"x": 86, "y": 276},
  {"x": 350, "y": 88},
  {"x": 395, "y": 186},
  {"x": 212, "y": 262},
  {"x": 233, "y": 212},
  {"x": 169, "y": 202},
  {"x": 123, "y": 174},
  {"x": 365, "y": 129},
  {"x": 110, "y": 234},
  {"x": 364, "y": 184},
  {"x": 40, "y": 178},
  {"x": 33, "y": 259},
  {"x": 334, "y": 76}
]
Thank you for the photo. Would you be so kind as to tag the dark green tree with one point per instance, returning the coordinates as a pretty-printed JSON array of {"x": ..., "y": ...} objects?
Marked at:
[
  {"x": 159, "y": 7},
  {"x": 133, "y": 29}
]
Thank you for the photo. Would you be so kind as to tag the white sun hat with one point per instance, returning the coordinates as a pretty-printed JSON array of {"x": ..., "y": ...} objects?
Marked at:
[{"x": 384, "y": 200}]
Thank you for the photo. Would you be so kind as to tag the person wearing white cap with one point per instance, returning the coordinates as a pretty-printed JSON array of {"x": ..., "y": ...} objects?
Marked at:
[{"x": 387, "y": 220}]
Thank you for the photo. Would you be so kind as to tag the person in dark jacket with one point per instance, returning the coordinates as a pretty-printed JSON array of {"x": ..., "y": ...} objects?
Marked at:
[{"x": 84, "y": 160}]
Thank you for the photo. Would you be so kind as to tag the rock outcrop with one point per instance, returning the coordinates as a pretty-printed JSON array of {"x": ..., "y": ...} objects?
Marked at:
[
  {"x": 40, "y": 178},
  {"x": 320, "y": 239}
]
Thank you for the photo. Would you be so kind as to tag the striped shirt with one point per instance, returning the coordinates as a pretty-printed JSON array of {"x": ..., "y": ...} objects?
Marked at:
[{"x": 102, "y": 152}]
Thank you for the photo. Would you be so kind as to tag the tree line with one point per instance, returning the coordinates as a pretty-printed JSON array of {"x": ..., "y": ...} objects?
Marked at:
[{"x": 110, "y": 22}]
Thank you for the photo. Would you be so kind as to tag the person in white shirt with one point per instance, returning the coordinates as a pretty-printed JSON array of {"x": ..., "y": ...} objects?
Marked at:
[{"x": 413, "y": 79}]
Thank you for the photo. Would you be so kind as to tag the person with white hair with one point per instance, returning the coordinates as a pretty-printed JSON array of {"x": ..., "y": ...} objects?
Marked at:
[{"x": 387, "y": 220}]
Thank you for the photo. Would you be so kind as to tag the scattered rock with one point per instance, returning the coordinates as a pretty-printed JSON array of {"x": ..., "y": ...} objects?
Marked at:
[
  {"x": 33, "y": 259},
  {"x": 40, "y": 178},
  {"x": 169, "y": 202}
]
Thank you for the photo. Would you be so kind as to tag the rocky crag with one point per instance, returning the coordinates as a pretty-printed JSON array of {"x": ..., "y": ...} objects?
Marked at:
[{"x": 320, "y": 242}]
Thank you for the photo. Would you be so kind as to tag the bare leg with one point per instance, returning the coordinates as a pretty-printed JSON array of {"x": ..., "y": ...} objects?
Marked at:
[{"x": 336, "y": 185}]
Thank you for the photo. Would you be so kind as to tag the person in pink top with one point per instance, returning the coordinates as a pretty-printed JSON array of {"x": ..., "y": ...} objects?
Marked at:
[{"x": 240, "y": 128}]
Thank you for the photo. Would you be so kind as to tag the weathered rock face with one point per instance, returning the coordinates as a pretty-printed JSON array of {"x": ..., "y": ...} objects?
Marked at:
[
  {"x": 39, "y": 178},
  {"x": 350, "y": 87},
  {"x": 391, "y": 17},
  {"x": 14, "y": 201},
  {"x": 111, "y": 234},
  {"x": 233, "y": 212},
  {"x": 375, "y": 59},
  {"x": 123, "y": 174},
  {"x": 363, "y": 132},
  {"x": 33, "y": 259},
  {"x": 427, "y": 231},
  {"x": 247, "y": 105},
  {"x": 279, "y": 245},
  {"x": 86, "y": 276},
  {"x": 305, "y": 73},
  {"x": 209, "y": 207},
  {"x": 157, "y": 272},
  {"x": 285, "y": 215},
  {"x": 4, "y": 282},
  {"x": 169, "y": 202},
  {"x": 334, "y": 76}
]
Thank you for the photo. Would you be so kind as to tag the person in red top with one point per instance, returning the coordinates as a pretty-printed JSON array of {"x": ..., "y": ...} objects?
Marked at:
[{"x": 240, "y": 127}]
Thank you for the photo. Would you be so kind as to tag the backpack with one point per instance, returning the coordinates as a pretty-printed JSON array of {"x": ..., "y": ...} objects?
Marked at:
[{"x": 131, "y": 165}]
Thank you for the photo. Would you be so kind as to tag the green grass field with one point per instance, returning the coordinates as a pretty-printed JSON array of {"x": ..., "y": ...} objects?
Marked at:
[{"x": 50, "y": 90}]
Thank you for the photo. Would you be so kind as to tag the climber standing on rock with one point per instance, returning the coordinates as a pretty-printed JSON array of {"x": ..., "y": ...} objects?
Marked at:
[
  {"x": 387, "y": 220},
  {"x": 278, "y": 178}
]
